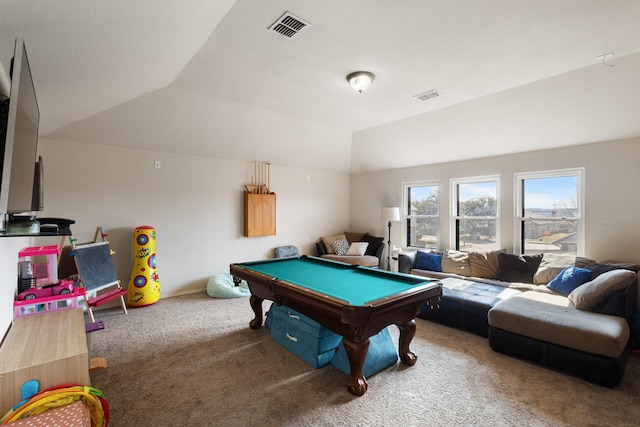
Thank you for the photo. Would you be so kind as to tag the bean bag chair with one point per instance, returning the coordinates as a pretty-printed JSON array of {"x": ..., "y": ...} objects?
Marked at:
[{"x": 222, "y": 286}]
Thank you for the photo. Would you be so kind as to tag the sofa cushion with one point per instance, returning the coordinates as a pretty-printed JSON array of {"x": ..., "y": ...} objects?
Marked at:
[
  {"x": 599, "y": 268},
  {"x": 286, "y": 251},
  {"x": 597, "y": 291},
  {"x": 456, "y": 262},
  {"x": 340, "y": 247},
  {"x": 569, "y": 278},
  {"x": 354, "y": 237},
  {"x": 484, "y": 264},
  {"x": 626, "y": 265},
  {"x": 465, "y": 303},
  {"x": 357, "y": 248},
  {"x": 552, "y": 318},
  {"x": 551, "y": 265},
  {"x": 328, "y": 240},
  {"x": 428, "y": 261},
  {"x": 477, "y": 293},
  {"x": 517, "y": 268},
  {"x": 374, "y": 244},
  {"x": 582, "y": 262}
]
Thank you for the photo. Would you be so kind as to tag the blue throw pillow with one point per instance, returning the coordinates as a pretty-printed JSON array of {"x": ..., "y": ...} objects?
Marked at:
[
  {"x": 569, "y": 278},
  {"x": 428, "y": 261}
]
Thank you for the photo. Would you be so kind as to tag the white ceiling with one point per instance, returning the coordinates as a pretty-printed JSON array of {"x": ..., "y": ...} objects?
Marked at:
[{"x": 207, "y": 78}]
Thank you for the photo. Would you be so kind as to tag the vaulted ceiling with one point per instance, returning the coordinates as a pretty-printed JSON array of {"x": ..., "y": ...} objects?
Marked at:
[{"x": 208, "y": 78}]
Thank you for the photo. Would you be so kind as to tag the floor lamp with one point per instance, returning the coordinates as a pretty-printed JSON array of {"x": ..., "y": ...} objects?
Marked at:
[{"x": 390, "y": 214}]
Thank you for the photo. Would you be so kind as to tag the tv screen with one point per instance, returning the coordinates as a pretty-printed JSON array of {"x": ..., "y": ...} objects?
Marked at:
[{"x": 20, "y": 144}]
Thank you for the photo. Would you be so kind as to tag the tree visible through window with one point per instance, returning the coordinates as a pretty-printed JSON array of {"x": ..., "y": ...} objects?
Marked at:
[
  {"x": 422, "y": 215},
  {"x": 475, "y": 214}
]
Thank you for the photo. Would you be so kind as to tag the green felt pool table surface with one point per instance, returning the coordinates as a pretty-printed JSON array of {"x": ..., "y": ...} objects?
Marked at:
[{"x": 356, "y": 286}]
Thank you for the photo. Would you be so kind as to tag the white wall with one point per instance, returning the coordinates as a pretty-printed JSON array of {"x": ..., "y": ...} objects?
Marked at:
[
  {"x": 612, "y": 205},
  {"x": 9, "y": 248},
  {"x": 195, "y": 204}
]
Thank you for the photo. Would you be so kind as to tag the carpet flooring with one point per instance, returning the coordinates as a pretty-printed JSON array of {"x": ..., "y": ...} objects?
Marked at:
[{"x": 192, "y": 360}]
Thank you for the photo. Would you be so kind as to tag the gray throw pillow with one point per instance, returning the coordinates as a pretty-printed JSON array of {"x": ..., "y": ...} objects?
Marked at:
[
  {"x": 594, "y": 293},
  {"x": 551, "y": 265}
]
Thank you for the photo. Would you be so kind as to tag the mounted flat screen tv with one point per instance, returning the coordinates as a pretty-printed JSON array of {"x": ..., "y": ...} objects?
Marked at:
[{"x": 20, "y": 177}]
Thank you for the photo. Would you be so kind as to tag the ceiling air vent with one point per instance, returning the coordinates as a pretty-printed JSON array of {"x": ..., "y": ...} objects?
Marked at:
[
  {"x": 430, "y": 94},
  {"x": 289, "y": 26}
]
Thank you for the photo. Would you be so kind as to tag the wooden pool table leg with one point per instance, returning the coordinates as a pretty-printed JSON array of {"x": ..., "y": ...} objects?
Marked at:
[
  {"x": 407, "y": 331},
  {"x": 256, "y": 305},
  {"x": 356, "y": 352}
]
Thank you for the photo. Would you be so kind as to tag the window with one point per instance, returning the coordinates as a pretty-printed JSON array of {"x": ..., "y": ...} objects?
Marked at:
[
  {"x": 422, "y": 214},
  {"x": 549, "y": 212},
  {"x": 475, "y": 213}
]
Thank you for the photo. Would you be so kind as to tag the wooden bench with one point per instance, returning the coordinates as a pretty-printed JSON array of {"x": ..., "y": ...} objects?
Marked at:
[{"x": 50, "y": 347}]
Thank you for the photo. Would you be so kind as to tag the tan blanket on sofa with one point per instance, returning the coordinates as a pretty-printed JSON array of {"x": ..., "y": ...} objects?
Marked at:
[{"x": 364, "y": 260}]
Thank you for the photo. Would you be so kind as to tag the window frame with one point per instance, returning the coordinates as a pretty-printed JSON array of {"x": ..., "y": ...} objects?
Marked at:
[
  {"x": 520, "y": 220},
  {"x": 406, "y": 215},
  {"x": 454, "y": 218}
]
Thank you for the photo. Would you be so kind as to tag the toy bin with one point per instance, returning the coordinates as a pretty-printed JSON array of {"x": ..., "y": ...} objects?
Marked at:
[{"x": 304, "y": 337}]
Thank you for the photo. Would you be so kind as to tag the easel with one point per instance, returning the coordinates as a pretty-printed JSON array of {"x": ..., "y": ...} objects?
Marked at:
[
  {"x": 99, "y": 233},
  {"x": 96, "y": 362},
  {"x": 95, "y": 260}
]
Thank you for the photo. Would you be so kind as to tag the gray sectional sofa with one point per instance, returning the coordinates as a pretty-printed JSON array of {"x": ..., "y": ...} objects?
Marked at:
[{"x": 536, "y": 307}]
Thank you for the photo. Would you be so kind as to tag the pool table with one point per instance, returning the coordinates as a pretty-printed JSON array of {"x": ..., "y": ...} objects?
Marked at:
[{"x": 353, "y": 301}]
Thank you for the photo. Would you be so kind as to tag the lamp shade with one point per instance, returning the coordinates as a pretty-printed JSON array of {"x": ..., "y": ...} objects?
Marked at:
[{"x": 391, "y": 214}]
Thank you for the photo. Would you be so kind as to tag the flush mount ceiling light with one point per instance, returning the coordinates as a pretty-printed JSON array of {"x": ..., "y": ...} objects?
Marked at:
[{"x": 360, "y": 80}]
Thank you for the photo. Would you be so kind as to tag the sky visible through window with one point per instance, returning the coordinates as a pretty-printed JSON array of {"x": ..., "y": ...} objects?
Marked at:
[
  {"x": 422, "y": 192},
  {"x": 551, "y": 193},
  {"x": 477, "y": 190},
  {"x": 540, "y": 193}
]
